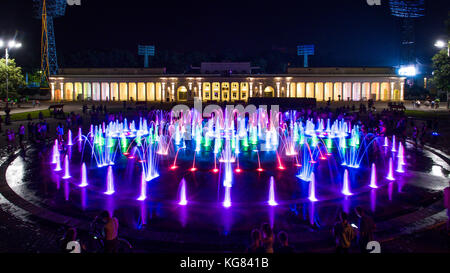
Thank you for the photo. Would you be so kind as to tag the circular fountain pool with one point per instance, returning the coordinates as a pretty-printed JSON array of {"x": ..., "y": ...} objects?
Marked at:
[{"x": 202, "y": 178}]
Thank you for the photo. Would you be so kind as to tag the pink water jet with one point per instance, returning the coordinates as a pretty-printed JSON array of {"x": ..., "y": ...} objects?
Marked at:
[
  {"x": 84, "y": 182},
  {"x": 110, "y": 182},
  {"x": 373, "y": 177},
  {"x": 346, "y": 184},
  {"x": 312, "y": 189},
  {"x": 66, "y": 168},
  {"x": 271, "y": 200},
  {"x": 390, "y": 175},
  {"x": 183, "y": 200}
]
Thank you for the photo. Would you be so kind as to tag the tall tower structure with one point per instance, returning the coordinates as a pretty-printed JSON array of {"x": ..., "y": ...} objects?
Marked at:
[
  {"x": 408, "y": 11},
  {"x": 46, "y": 11}
]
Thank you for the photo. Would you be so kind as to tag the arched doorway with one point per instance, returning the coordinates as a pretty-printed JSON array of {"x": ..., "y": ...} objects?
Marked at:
[
  {"x": 269, "y": 91},
  {"x": 182, "y": 93}
]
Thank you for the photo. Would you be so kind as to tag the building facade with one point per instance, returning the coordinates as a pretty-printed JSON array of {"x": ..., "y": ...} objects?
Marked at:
[{"x": 153, "y": 85}]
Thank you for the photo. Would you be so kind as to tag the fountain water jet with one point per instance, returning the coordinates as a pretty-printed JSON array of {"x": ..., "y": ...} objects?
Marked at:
[
  {"x": 66, "y": 168},
  {"x": 143, "y": 195},
  {"x": 69, "y": 138},
  {"x": 373, "y": 177},
  {"x": 346, "y": 184},
  {"x": 110, "y": 182},
  {"x": 182, "y": 193},
  {"x": 58, "y": 164},
  {"x": 272, "y": 201},
  {"x": 227, "y": 199},
  {"x": 390, "y": 175},
  {"x": 312, "y": 189},
  {"x": 84, "y": 182}
]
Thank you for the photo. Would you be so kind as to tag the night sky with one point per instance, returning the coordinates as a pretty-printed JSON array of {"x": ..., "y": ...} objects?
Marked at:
[{"x": 346, "y": 32}]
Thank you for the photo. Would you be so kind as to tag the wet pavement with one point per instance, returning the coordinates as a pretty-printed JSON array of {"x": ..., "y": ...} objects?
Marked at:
[{"x": 22, "y": 232}]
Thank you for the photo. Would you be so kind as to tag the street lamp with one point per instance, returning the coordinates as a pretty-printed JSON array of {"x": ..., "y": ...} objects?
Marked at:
[
  {"x": 11, "y": 45},
  {"x": 441, "y": 44}
]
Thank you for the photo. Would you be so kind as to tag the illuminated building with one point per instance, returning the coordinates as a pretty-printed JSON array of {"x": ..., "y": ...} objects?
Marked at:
[{"x": 154, "y": 85}]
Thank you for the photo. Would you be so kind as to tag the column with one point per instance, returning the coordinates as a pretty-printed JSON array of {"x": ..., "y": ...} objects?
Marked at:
[
  {"x": 251, "y": 89},
  {"x": 402, "y": 90},
  {"x": 173, "y": 91},
  {"x": 288, "y": 90},
  {"x": 200, "y": 90},
  {"x": 260, "y": 89},
  {"x": 332, "y": 91},
  {"x": 53, "y": 91},
  {"x": 379, "y": 91},
  {"x": 278, "y": 89},
  {"x": 118, "y": 91},
  {"x": 163, "y": 91},
  {"x": 62, "y": 91},
  {"x": 392, "y": 92},
  {"x": 82, "y": 91},
  {"x": 73, "y": 91}
]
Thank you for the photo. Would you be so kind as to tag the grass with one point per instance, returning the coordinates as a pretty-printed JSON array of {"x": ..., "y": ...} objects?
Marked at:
[
  {"x": 24, "y": 115},
  {"x": 427, "y": 114}
]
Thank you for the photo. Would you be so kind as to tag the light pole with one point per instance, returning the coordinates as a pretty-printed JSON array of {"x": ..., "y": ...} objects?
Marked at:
[
  {"x": 11, "y": 45},
  {"x": 441, "y": 44}
]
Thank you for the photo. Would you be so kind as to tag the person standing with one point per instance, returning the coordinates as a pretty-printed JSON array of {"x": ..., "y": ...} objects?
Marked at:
[
  {"x": 267, "y": 237},
  {"x": 111, "y": 232},
  {"x": 366, "y": 228},
  {"x": 256, "y": 245},
  {"x": 284, "y": 245},
  {"x": 343, "y": 234}
]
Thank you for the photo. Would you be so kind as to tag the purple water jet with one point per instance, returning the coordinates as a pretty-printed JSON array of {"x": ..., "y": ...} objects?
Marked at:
[
  {"x": 110, "y": 182},
  {"x": 373, "y": 177},
  {"x": 227, "y": 199},
  {"x": 390, "y": 175},
  {"x": 272, "y": 201},
  {"x": 346, "y": 184},
  {"x": 66, "y": 168},
  {"x": 143, "y": 195},
  {"x": 183, "y": 200},
  {"x": 312, "y": 189},
  {"x": 84, "y": 182}
]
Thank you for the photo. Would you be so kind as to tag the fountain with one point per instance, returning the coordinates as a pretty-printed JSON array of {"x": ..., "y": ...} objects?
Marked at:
[
  {"x": 272, "y": 201},
  {"x": 58, "y": 164},
  {"x": 346, "y": 184},
  {"x": 390, "y": 175},
  {"x": 312, "y": 189},
  {"x": 84, "y": 182},
  {"x": 66, "y": 168},
  {"x": 69, "y": 138},
  {"x": 227, "y": 199},
  {"x": 110, "y": 182},
  {"x": 143, "y": 195},
  {"x": 182, "y": 193},
  {"x": 373, "y": 177}
]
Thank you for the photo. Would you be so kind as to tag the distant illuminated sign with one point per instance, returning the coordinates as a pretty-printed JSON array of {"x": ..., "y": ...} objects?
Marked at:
[{"x": 407, "y": 71}]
